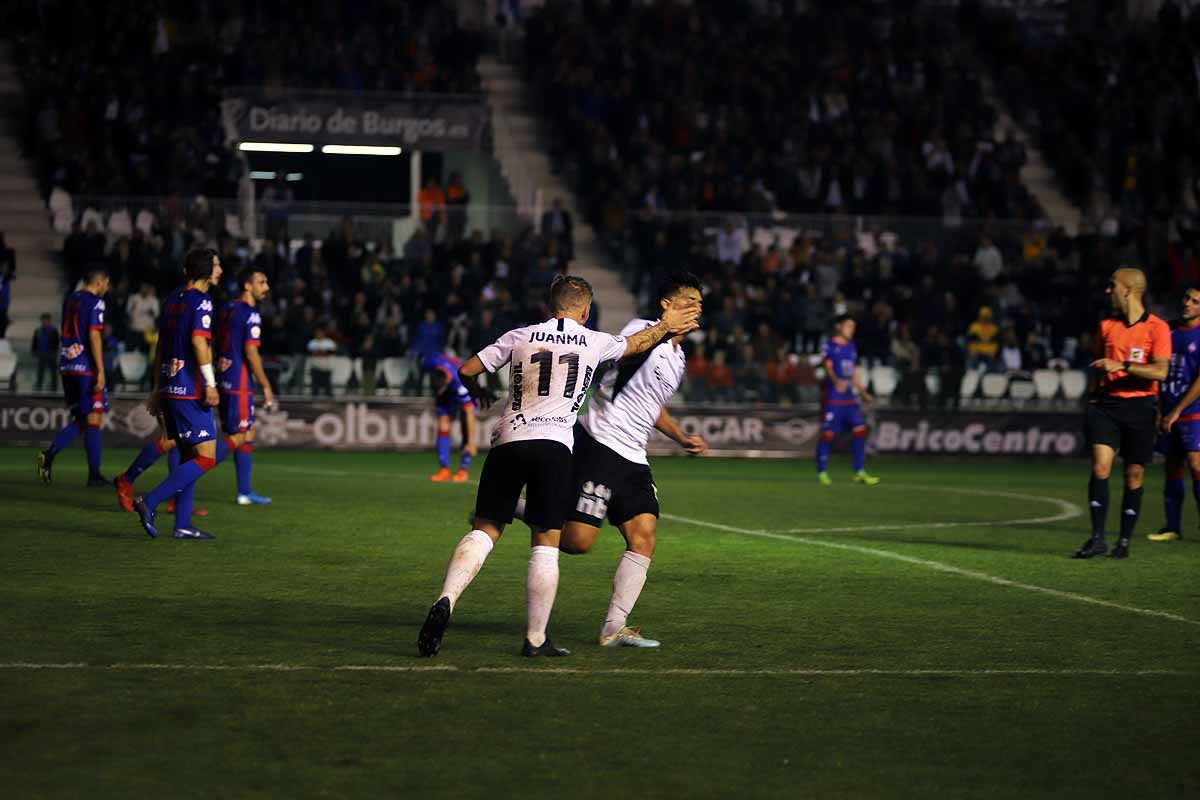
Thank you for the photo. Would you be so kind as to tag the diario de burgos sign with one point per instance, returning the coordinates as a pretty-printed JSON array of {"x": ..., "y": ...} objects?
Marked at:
[{"x": 423, "y": 122}]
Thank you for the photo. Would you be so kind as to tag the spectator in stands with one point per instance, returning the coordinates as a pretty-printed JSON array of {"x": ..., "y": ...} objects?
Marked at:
[
  {"x": 430, "y": 336},
  {"x": 750, "y": 376},
  {"x": 558, "y": 226},
  {"x": 45, "y": 351},
  {"x": 6, "y": 282},
  {"x": 457, "y": 198},
  {"x": 432, "y": 202},
  {"x": 142, "y": 310},
  {"x": 321, "y": 350},
  {"x": 720, "y": 383},
  {"x": 1012, "y": 360},
  {"x": 697, "y": 370},
  {"x": 910, "y": 373},
  {"x": 783, "y": 377},
  {"x": 982, "y": 342},
  {"x": 989, "y": 263},
  {"x": 732, "y": 242}
]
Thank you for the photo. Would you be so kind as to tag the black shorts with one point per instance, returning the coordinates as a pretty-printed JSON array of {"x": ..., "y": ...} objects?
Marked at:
[
  {"x": 605, "y": 482},
  {"x": 1124, "y": 424},
  {"x": 541, "y": 467}
]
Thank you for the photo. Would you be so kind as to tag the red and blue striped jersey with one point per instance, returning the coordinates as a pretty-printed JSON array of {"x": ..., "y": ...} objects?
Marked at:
[
  {"x": 83, "y": 312},
  {"x": 843, "y": 357},
  {"x": 1184, "y": 369},
  {"x": 189, "y": 312},
  {"x": 239, "y": 325}
]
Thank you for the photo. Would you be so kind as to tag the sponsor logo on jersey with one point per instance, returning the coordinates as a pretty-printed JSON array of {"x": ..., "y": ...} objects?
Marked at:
[
  {"x": 517, "y": 393},
  {"x": 72, "y": 351},
  {"x": 223, "y": 364},
  {"x": 1137, "y": 355},
  {"x": 175, "y": 366},
  {"x": 518, "y": 421}
]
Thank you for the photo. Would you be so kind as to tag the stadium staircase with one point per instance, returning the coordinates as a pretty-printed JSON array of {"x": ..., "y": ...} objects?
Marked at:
[
  {"x": 38, "y": 287},
  {"x": 1036, "y": 175},
  {"x": 520, "y": 145}
]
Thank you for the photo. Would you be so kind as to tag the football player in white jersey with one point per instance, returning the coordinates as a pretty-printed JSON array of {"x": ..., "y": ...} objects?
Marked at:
[
  {"x": 551, "y": 366},
  {"x": 610, "y": 470}
]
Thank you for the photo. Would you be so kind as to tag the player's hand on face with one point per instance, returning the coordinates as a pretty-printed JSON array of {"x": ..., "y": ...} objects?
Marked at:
[
  {"x": 681, "y": 320},
  {"x": 211, "y": 398}
]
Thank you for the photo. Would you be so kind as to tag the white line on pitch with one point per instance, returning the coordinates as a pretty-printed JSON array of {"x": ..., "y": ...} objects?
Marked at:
[
  {"x": 1067, "y": 511},
  {"x": 939, "y": 566},
  {"x": 617, "y": 672}
]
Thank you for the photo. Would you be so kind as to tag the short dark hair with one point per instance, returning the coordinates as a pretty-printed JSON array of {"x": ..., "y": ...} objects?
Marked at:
[
  {"x": 676, "y": 281},
  {"x": 246, "y": 275},
  {"x": 94, "y": 274},
  {"x": 569, "y": 291},
  {"x": 840, "y": 318},
  {"x": 197, "y": 264}
]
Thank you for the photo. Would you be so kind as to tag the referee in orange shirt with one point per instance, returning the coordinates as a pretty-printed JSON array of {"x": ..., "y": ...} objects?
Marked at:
[{"x": 1135, "y": 350}]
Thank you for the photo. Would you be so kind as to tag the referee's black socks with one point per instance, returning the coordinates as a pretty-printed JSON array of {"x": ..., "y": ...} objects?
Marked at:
[
  {"x": 1098, "y": 504},
  {"x": 1131, "y": 507}
]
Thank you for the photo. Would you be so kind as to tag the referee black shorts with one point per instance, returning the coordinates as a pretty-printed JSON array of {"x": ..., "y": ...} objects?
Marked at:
[
  {"x": 1126, "y": 424},
  {"x": 540, "y": 466},
  {"x": 605, "y": 482}
]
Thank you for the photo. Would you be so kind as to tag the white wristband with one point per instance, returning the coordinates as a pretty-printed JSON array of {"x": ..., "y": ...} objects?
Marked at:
[{"x": 210, "y": 379}]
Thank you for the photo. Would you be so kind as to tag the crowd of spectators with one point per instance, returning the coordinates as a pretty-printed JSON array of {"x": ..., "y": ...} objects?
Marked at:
[
  {"x": 1113, "y": 105},
  {"x": 815, "y": 107},
  {"x": 123, "y": 97},
  {"x": 346, "y": 295}
]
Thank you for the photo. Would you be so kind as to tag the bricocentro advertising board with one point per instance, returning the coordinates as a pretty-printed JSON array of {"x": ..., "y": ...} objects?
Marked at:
[{"x": 768, "y": 431}]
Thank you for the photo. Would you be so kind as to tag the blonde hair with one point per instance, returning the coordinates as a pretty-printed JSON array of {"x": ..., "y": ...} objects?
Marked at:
[{"x": 569, "y": 292}]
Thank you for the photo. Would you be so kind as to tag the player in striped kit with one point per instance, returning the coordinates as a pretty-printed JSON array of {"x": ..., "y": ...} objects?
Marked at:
[
  {"x": 81, "y": 363},
  {"x": 840, "y": 409},
  {"x": 611, "y": 471},
  {"x": 1179, "y": 425},
  {"x": 239, "y": 366},
  {"x": 551, "y": 365}
]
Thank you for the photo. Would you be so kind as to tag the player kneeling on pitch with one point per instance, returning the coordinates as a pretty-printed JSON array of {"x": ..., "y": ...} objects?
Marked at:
[{"x": 551, "y": 366}]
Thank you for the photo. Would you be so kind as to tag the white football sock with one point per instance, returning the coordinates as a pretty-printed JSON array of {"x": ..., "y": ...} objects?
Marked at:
[
  {"x": 541, "y": 584},
  {"x": 519, "y": 511},
  {"x": 627, "y": 587},
  {"x": 468, "y": 557}
]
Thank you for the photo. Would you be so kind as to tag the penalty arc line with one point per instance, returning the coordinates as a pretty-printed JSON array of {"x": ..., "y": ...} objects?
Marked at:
[{"x": 938, "y": 566}]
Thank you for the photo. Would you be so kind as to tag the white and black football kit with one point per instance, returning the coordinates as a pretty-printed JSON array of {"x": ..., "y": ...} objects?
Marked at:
[
  {"x": 552, "y": 364},
  {"x": 611, "y": 473}
]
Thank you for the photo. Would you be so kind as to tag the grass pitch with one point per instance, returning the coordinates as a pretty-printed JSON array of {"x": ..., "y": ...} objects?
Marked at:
[{"x": 928, "y": 635}]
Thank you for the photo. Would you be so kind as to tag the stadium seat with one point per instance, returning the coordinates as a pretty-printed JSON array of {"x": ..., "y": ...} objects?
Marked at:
[
  {"x": 1046, "y": 383},
  {"x": 933, "y": 382},
  {"x": 1074, "y": 384},
  {"x": 969, "y": 385},
  {"x": 343, "y": 368},
  {"x": 8, "y": 368},
  {"x": 883, "y": 380},
  {"x": 396, "y": 372},
  {"x": 133, "y": 366},
  {"x": 994, "y": 386},
  {"x": 1021, "y": 391}
]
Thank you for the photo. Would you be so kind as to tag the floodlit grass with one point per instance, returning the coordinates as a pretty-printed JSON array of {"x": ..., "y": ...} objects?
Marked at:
[{"x": 925, "y": 650}]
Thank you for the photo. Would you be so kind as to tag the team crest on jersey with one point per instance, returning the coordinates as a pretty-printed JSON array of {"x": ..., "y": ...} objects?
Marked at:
[
  {"x": 174, "y": 367},
  {"x": 1137, "y": 355},
  {"x": 223, "y": 364},
  {"x": 73, "y": 351},
  {"x": 206, "y": 321},
  {"x": 255, "y": 331}
]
